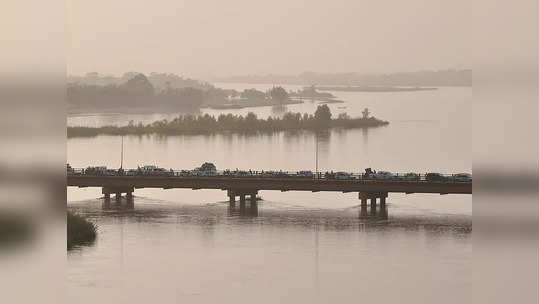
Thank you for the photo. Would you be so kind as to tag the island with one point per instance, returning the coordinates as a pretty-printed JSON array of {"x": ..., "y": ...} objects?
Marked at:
[{"x": 229, "y": 123}]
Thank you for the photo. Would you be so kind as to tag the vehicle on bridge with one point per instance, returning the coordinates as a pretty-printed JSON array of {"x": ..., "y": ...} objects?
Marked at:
[
  {"x": 70, "y": 169},
  {"x": 152, "y": 170},
  {"x": 343, "y": 175},
  {"x": 210, "y": 170},
  {"x": 462, "y": 177},
  {"x": 131, "y": 172},
  {"x": 435, "y": 177},
  {"x": 410, "y": 176},
  {"x": 98, "y": 170},
  {"x": 384, "y": 175},
  {"x": 185, "y": 173},
  {"x": 305, "y": 174}
]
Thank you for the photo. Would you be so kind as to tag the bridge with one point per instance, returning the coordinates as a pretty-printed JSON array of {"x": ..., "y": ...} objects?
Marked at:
[{"x": 248, "y": 184}]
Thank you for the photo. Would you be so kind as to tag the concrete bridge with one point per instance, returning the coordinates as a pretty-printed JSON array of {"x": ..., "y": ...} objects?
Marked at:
[{"x": 248, "y": 186}]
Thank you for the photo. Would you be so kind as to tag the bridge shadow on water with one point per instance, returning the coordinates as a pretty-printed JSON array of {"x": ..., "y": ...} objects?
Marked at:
[
  {"x": 118, "y": 204},
  {"x": 274, "y": 214},
  {"x": 248, "y": 210}
]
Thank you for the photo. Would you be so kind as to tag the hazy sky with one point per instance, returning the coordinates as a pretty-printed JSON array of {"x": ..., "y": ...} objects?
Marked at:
[{"x": 228, "y": 37}]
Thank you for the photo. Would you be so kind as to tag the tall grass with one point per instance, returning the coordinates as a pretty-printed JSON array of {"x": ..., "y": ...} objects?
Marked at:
[{"x": 79, "y": 230}]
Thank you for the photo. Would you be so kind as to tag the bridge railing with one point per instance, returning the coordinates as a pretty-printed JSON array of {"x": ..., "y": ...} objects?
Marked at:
[{"x": 272, "y": 174}]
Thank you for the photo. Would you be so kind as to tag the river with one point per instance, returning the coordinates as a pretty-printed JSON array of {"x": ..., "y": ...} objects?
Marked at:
[{"x": 186, "y": 245}]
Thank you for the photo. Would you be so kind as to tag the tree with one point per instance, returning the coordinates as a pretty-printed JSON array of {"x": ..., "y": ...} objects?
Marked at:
[
  {"x": 344, "y": 116},
  {"x": 278, "y": 94},
  {"x": 366, "y": 113},
  {"x": 322, "y": 116},
  {"x": 139, "y": 85},
  {"x": 253, "y": 94}
]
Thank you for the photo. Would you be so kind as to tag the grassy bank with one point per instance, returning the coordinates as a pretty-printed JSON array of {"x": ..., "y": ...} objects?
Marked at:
[
  {"x": 206, "y": 124},
  {"x": 79, "y": 230}
]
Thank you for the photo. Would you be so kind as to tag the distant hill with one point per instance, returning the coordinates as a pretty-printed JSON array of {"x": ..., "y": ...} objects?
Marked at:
[
  {"x": 159, "y": 81},
  {"x": 419, "y": 78}
]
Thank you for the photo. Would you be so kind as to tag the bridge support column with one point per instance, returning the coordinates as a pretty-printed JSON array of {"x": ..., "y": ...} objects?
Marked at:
[
  {"x": 383, "y": 212},
  {"x": 117, "y": 191},
  {"x": 242, "y": 204},
  {"x": 373, "y": 202},
  {"x": 242, "y": 200},
  {"x": 363, "y": 210},
  {"x": 243, "y": 193},
  {"x": 231, "y": 198},
  {"x": 364, "y": 196},
  {"x": 253, "y": 198},
  {"x": 129, "y": 198}
]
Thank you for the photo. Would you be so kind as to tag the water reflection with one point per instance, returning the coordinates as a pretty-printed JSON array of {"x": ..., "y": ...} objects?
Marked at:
[
  {"x": 373, "y": 212},
  {"x": 118, "y": 203},
  {"x": 244, "y": 210},
  {"x": 353, "y": 218},
  {"x": 278, "y": 110}
]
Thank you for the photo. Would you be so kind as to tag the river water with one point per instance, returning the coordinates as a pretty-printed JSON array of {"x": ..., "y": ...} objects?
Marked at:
[{"x": 186, "y": 245}]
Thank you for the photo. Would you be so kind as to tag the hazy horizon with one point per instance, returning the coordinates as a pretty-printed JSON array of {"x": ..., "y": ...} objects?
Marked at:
[{"x": 210, "y": 38}]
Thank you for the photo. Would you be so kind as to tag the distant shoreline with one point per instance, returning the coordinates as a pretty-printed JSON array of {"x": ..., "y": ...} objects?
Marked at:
[
  {"x": 251, "y": 104},
  {"x": 374, "y": 89}
]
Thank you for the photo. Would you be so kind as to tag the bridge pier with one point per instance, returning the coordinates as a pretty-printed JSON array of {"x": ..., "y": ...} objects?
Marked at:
[
  {"x": 363, "y": 210},
  {"x": 253, "y": 198},
  {"x": 364, "y": 196},
  {"x": 242, "y": 194},
  {"x": 107, "y": 191},
  {"x": 242, "y": 200},
  {"x": 363, "y": 202}
]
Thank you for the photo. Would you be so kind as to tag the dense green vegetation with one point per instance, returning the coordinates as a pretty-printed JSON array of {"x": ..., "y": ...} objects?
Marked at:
[
  {"x": 79, "y": 230},
  {"x": 203, "y": 124}
]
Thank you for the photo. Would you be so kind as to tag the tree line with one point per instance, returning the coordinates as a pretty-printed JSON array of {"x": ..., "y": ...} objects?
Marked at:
[
  {"x": 204, "y": 124},
  {"x": 138, "y": 91}
]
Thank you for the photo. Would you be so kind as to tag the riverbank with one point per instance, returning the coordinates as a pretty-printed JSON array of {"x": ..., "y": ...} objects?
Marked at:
[
  {"x": 207, "y": 124},
  {"x": 249, "y": 103},
  {"x": 80, "y": 231},
  {"x": 374, "y": 89}
]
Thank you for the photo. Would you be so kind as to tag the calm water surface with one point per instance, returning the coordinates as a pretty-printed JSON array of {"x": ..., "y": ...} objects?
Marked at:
[{"x": 184, "y": 245}]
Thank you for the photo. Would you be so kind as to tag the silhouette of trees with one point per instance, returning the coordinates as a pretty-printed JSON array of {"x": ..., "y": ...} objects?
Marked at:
[
  {"x": 322, "y": 116},
  {"x": 138, "y": 91},
  {"x": 278, "y": 94},
  {"x": 253, "y": 94},
  {"x": 138, "y": 86},
  {"x": 203, "y": 124}
]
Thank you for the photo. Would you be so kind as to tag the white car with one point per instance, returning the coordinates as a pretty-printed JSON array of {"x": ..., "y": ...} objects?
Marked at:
[
  {"x": 131, "y": 172},
  {"x": 343, "y": 175},
  {"x": 462, "y": 177},
  {"x": 410, "y": 176},
  {"x": 306, "y": 174},
  {"x": 383, "y": 175}
]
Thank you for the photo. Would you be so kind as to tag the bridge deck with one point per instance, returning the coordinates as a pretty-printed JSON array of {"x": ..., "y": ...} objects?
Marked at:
[{"x": 282, "y": 184}]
